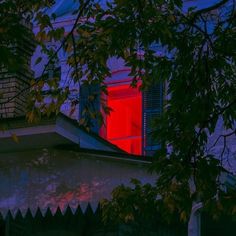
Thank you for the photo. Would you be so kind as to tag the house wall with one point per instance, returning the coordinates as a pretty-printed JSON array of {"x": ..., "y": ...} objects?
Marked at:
[
  {"x": 52, "y": 178},
  {"x": 120, "y": 76}
]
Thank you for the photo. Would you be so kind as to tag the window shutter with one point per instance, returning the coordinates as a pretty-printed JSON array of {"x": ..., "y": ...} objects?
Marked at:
[
  {"x": 152, "y": 108},
  {"x": 89, "y": 105}
]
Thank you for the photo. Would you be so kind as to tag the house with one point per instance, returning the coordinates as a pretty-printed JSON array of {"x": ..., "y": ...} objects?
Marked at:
[
  {"x": 54, "y": 162},
  {"x": 118, "y": 89},
  {"x": 129, "y": 125},
  {"x": 62, "y": 163}
]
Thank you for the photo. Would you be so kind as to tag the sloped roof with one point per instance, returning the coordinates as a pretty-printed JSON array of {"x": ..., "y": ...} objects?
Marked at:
[
  {"x": 50, "y": 132},
  {"x": 65, "y": 8}
]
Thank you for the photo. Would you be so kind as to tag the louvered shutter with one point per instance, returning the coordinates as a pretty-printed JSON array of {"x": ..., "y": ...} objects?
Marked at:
[
  {"x": 86, "y": 105},
  {"x": 152, "y": 108}
]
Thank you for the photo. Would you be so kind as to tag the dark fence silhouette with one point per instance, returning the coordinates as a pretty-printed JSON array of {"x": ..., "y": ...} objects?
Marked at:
[
  {"x": 76, "y": 223},
  {"x": 223, "y": 226}
]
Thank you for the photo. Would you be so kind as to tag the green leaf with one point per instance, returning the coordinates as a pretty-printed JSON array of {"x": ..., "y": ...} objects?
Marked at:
[{"x": 15, "y": 138}]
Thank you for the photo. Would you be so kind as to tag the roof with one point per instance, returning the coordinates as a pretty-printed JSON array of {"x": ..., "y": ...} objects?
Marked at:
[
  {"x": 58, "y": 163},
  {"x": 65, "y": 8},
  {"x": 50, "y": 132}
]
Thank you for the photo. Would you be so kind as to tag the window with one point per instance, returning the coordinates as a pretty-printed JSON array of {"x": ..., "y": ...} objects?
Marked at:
[{"x": 124, "y": 124}]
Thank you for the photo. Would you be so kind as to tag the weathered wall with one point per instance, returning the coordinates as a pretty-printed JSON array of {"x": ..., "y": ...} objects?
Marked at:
[{"x": 52, "y": 178}]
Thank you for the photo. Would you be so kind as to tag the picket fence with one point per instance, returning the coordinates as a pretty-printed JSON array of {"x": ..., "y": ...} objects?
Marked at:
[{"x": 75, "y": 223}]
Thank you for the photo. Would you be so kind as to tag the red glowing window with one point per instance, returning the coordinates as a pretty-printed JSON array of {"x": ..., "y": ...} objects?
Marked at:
[{"x": 124, "y": 124}]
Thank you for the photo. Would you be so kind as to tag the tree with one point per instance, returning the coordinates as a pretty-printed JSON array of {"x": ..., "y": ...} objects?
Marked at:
[
  {"x": 190, "y": 51},
  {"x": 12, "y": 27},
  {"x": 16, "y": 20}
]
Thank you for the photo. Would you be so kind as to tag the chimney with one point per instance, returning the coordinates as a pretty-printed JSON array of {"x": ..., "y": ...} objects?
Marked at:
[{"x": 15, "y": 80}]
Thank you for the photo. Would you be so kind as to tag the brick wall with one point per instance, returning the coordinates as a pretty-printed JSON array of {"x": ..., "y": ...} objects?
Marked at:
[{"x": 14, "y": 84}]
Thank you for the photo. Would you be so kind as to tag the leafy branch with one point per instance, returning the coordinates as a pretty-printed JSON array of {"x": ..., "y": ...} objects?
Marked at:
[{"x": 70, "y": 34}]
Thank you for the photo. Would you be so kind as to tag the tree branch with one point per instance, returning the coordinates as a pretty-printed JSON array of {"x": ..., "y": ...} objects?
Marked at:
[
  {"x": 54, "y": 55},
  {"x": 204, "y": 124},
  {"x": 208, "y": 9},
  {"x": 222, "y": 136},
  {"x": 74, "y": 55}
]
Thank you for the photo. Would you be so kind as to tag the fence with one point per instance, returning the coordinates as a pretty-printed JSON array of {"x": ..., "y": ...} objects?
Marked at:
[
  {"x": 77, "y": 223},
  {"x": 223, "y": 226}
]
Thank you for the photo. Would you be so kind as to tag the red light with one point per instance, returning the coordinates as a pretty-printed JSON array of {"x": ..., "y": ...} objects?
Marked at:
[{"x": 124, "y": 124}]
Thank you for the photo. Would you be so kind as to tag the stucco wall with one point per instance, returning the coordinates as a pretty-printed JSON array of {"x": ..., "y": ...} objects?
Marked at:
[{"x": 51, "y": 178}]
